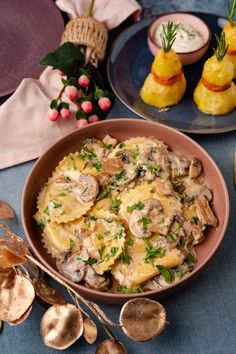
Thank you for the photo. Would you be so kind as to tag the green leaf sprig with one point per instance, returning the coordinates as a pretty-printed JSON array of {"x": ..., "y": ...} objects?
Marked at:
[
  {"x": 169, "y": 36},
  {"x": 231, "y": 12},
  {"x": 221, "y": 47}
]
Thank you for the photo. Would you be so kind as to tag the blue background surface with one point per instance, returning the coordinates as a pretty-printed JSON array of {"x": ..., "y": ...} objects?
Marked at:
[{"x": 202, "y": 317}]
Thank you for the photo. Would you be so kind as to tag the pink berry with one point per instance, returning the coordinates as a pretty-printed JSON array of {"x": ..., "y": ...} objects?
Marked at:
[
  {"x": 60, "y": 73},
  {"x": 93, "y": 118},
  {"x": 71, "y": 92},
  {"x": 104, "y": 103},
  {"x": 82, "y": 123},
  {"x": 53, "y": 115},
  {"x": 83, "y": 81},
  {"x": 86, "y": 106},
  {"x": 65, "y": 113}
]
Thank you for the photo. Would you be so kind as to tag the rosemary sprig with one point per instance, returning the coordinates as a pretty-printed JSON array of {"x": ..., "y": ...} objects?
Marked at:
[
  {"x": 221, "y": 47},
  {"x": 231, "y": 12},
  {"x": 169, "y": 36}
]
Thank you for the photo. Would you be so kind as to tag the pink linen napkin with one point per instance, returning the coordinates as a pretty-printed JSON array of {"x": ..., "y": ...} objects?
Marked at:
[{"x": 25, "y": 131}]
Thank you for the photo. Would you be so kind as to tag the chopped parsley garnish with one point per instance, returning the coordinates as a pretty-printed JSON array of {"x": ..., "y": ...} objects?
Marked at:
[
  {"x": 61, "y": 194},
  {"x": 130, "y": 242},
  {"x": 171, "y": 237},
  {"x": 119, "y": 234},
  {"x": 152, "y": 190},
  {"x": 145, "y": 221},
  {"x": 121, "y": 145},
  {"x": 56, "y": 205},
  {"x": 107, "y": 146},
  {"x": 182, "y": 242},
  {"x": 154, "y": 168},
  {"x": 167, "y": 273},
  {"x": 135, "y": 152},
  {"x": 175, "y": 183},
  {"x": 72, "y": 242},
  {"x": 41, "y": 224},
  {"x": 93, "y": 218},
  {"x": 89, "y": 154},
  {"x": 118, "y": 176},
  {"x": 182, "y": 196},
  {"x": 190, "y": 259},
  {"x": 195, "y": 220},
  {"x": 138, "y": 206},
  {"x": 101, "y": 251},
  {"x": 125, "y": 258},
  {"x": 90, "y": 261},
  {"x": 113, "y": 251},
  {"x": 115, "y": 203},
  {"x": 153, "y": 252},
  {"x": 97, "y": 165},
  {"x": 46, "y": 211},
  {"x": 125, "y": 290},
  {"x": 138, "y": 170},
  {"x": 73, "y": 162}
]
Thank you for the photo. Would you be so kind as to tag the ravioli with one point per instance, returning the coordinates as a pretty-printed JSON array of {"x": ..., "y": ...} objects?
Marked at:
[
  {"x": 138, "y": 270},
  {"x": 105, "y": 243},
  {"x": 59, "y": 238}
]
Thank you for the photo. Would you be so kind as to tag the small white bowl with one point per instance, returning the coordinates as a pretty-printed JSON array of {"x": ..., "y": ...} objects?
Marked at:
[{"x": 189, "y": 57}]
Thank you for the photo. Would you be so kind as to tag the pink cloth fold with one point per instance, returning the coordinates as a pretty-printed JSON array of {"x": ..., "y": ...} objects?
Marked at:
[{"x": 25, "y": 131}]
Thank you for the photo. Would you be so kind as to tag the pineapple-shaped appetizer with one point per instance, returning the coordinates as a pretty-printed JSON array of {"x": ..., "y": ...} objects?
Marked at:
[
  {"x": 215, "y": 92},
  {"x": 166, "y": 84},
  {"x": 230, "y": 35}
]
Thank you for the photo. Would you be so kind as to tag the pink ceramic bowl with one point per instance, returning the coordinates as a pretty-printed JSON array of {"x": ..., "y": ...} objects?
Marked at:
[
  {"x": 189, "y": 57},
  {"x": 123, "y": 129}
]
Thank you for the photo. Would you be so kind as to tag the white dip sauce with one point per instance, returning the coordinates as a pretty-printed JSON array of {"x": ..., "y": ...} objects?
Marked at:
[{"x": 187, "y": 39}]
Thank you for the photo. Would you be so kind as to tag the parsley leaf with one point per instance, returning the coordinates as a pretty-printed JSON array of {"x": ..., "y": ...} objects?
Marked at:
[
  {"x": 121, "y": 145},
  {"x": 130, "y": 242},
  {"x": 118, "y": 176},
  {"x": 72, "y": 242},
  {"x": 138, "y": 206},
  {"x": 107, "y": 146},
  {"x": 97, "y": 165},
  {"x": 46, "y": 211},
  {"x": 125, "y": 258},
  {"x": 115, "y": 203},
  {"x": 195, "y": 220},
  {"x": 90, "y": 261},
  {"x": 56, "y": 205},
  {"x": 125, "y": 290},
  {"x": 153, "y": 252},
  {"x": 167, "y": 273},
  {"x": 154, "y": 168},
  {"x": 41, "y": 224},
  {"x": 190, "y": 259},
  {"x": 145, "y": 221}
]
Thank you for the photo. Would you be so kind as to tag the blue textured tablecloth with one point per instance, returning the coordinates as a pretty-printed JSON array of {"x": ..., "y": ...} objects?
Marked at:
[{"x": 202, "y": 318}]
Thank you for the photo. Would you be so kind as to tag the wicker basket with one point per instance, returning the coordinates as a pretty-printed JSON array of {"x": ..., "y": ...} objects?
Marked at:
[{"x": 89, "y": 32}]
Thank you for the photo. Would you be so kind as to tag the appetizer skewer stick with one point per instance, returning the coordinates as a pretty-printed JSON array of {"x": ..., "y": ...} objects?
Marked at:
[{"x": 165, "y": 85}]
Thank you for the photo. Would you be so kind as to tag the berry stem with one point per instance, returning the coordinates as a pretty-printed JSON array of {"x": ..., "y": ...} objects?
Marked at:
[{"x": 90, "y": 13}]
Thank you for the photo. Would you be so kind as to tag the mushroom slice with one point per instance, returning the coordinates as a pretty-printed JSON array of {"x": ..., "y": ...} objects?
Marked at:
[
  {"x": 94, "y": 280},
  {"x": 142, "y": 319},
  {"x": 197, "y": 190},
  {"x": 16, "y": 298},
  {"x": 6, "y": 212},
  {"x": 90, "y": 331},
  {"x": 12, "y": 251},
  {"x": 73, "y": 268},
  {"x": 112, "y": 166},
  {"x": 22, "y": 318},
  {"x": 195, "y": 168},
  {"x": 140, "y": 220},
  {"x": 61, "y": 326},
  {"x": 46, "y": 292},
  {"x": 205, "y": 212},
  {"x": 88, "y": 187},
  {"x": 109, "y": 140},
  {"x": 110, "y": 346}
]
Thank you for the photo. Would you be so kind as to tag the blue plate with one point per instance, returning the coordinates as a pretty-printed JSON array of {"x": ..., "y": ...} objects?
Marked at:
[{"x": 128, "y": 65}]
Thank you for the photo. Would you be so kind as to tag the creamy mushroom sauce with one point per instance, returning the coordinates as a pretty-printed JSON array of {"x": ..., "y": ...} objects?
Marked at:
[
  {"x": 187, "y": 38},
  {"x": 125, "y": 216}
]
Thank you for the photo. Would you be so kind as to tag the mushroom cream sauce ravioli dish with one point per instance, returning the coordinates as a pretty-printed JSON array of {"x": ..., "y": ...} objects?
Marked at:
[{"x": 125, "y": 215}]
